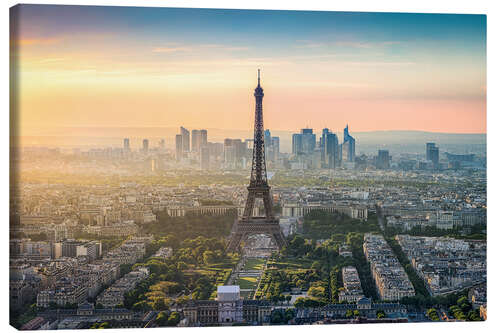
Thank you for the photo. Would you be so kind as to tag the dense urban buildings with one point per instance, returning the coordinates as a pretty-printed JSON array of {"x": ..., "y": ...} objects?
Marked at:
[
  {"x": 445, "y": 264},
  {"x": 60, "y": 255},
  {"x": 390, "y": 278}
]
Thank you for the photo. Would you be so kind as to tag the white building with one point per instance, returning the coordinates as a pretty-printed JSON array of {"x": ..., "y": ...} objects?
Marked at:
[{"x": 230, "y": 304}]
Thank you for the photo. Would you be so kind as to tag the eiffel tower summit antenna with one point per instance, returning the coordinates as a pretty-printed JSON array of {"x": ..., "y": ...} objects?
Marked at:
[{"x": 249, "y": 225}]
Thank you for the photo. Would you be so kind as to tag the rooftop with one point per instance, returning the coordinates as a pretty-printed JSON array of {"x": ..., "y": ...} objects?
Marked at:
[{"x": 228, "y": 289}]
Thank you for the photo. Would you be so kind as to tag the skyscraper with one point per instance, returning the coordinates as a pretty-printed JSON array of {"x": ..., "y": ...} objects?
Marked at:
[
  {"x": 195, "y": 140},
  {"x": 145, "y": 146},
  {"x": 428, "y": 148},
  {"x": 203, "y": 138},
  {"x": 383, "y": 159},
  {"x": 267, "y": 138},
  {"x": 304, "y": 143},
  {"x": 331, "y": 146},
  {"x": 275, "y": 143},
  {"x": 308, "y": 140},
  {"x": 296, "y": 144},
  {"x": 185, "y": 139},
  {"x": 322, "y": 141},
  {"x": 348, "y": 146},
  {"x": 178, "y": 147},
  {"x": 126, "y": 144},
  {"x": 432, "y": 154},
  {"x": 271, "y": 145},
  {"x": 229, "y": 153}
]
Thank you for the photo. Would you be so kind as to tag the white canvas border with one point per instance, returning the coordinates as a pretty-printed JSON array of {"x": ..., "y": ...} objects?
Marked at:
[{"x": 422, "y": 6}]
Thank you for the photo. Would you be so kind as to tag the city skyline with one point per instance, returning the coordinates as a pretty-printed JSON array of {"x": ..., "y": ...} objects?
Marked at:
[{"x": 336, "y": 67}]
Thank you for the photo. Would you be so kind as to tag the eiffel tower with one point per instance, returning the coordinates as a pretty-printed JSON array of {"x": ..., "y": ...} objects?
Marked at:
[{"x": 249, "y": 225}]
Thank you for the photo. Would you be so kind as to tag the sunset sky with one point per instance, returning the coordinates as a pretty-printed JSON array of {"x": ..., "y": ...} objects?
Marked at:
[{"x": 143, "y": 67}]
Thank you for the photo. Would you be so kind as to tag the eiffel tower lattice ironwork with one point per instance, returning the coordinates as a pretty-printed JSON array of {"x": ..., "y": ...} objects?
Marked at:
[{"x": 249, "y": 225}]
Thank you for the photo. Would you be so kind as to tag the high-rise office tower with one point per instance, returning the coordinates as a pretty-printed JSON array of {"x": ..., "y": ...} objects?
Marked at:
[
  {"x": 216, "y": 150},
  {"x": 185, "y": 139},
  {"x": 234, "y": 152},
  {"x": 432, "y": 154},
  {"x": 267, "y": 138},
  {"x": 348, "y": 146},
  {"x": 195, "y": 140},
  {"x": 271, "y": 145},
  {"x": 126, "y": 144},
  {"x": 331, "y": 146},
  {"x": 428, "y": 148},
  {"x": 296, "y": 144},
  {"x": 275, "y": 143},
  {"x": 229, "y": 153},
  {"x": 308, "y": 140},
  {"x": 304, "y": 143},
  {"x": 161, "y": 144},
  {"x": 203, "y": 137},
  {"x": 145, "y": 146},
  {"x": 178, "y": 147},
  {"x": 383, "y": 159},
  {"x": 204, "y": 158},
  {"x": 322, "y": 142}
]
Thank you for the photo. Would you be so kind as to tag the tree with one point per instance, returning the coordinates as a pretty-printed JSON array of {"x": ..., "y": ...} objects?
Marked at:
[
  {"x": 316, "y": 291},
  {"x": 277, "y": 317},
  {"x": 104, "y": 325},
  {"x": 289, "y": 314},
  {"x": 162, "y": 318},
  {"x": 316, "y": 265},
  {"x": 141, "y": 306},
  {"x": 349, "y": 314},
  {"x": 181, "y": 265},
  {"x": 208, "y": 257},
  {"x": 381, "y": 314},
  {"x": 174, "y": 319},
  {"x": 159, "y": 304},
  {"x": 301, "y": 284},
  {"x": 166, "y": 287},
  {"x": 299, "y": 302},
  {"x": 356, "y": 313}
]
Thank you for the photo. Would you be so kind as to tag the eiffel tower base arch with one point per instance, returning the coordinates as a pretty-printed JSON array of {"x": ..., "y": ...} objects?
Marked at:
[{"x": 243, "y": 228}]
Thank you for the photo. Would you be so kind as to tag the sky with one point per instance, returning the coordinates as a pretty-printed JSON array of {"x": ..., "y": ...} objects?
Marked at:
[{"x": 85, "y": 66}]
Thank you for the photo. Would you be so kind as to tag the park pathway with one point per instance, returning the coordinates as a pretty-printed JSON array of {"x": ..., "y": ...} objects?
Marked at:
[{"x": 247, "y": 275}]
